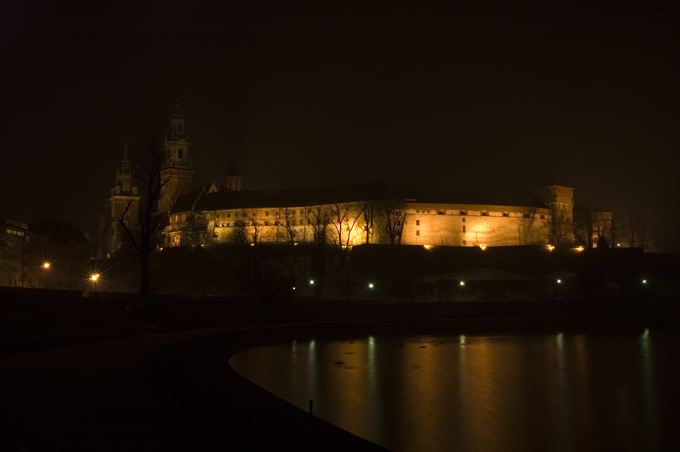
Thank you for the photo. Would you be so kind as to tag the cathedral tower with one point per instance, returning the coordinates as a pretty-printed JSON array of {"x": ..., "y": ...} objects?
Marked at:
[
  {"x": 124, "y": 203},
  {"x": 177, "y": 171},
  {"x": 232, "y": 178}
]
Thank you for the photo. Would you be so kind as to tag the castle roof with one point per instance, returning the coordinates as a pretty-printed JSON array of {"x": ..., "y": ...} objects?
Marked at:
[
  {"x": 202, "y": 200},
  {"x": 232, "y": 171}
]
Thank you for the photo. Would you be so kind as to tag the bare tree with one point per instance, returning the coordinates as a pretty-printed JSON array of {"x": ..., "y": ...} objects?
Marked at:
[
  {"x": 149, "y": 162},
  {"x": 318, "y": 218},
  {"x": 390, "y": 213},
  {"x": 615, "y": 229},
  {"x": 638, "y": 232},
  {"x": 344, "y": 217},
  {"x": 584, "y": 222},
  {"x": 247, "y": 231},
  {"x": 287, "y": 221},
  {"x": 369, "y": 210}
]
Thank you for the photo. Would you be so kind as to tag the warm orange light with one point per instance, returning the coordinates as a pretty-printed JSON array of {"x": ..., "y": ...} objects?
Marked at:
[
  {"x": 580, "y": 248},
  {"x": 46, "y": 265},
  {"x": 427, "y": 247},
  {"x": 483, "y": 246},
  {"x": 94, "y": 277},
  {"x": 551, "y": 247},
  {"x": 462, "y": 283}
]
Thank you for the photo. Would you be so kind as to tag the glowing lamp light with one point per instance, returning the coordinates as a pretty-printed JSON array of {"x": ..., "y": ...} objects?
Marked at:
[
  {"x": 618, "y": 244},
  {"x": 483, "y": 246},
  {"x": 644, "y": 281},
  {"x": 94, "y": 277},
  {"x": 370, "y": 285},
  {"x": 427, "y": 247},
  {"x": 293, "y": 287},
  {"x": 551, "y": 247},
  {"x": 311, "y": 282},
  {"x": 46, "y": 265},
  {"x": 559, "y": 281},
  {"x": 462, "y": 283},
  {"x": 580, "y": 248}
]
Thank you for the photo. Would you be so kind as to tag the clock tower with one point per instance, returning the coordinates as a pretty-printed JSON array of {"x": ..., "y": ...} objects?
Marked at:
[{"x": 177, "y": 171}]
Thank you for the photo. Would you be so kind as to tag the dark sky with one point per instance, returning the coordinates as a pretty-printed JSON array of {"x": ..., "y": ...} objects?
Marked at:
[{"x": 477, "y": 98}]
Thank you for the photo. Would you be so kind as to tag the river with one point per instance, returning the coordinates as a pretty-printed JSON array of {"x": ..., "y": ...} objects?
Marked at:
[{"x": 557, "y": 392}]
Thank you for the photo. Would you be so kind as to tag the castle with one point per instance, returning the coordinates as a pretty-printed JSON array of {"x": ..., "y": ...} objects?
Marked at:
[{"x": 344, "y": 215}]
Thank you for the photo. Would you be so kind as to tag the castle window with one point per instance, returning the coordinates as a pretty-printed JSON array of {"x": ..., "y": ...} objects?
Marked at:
[
  {"x": 228, "y": 215},
  {"x": 463, "y": 229},
  {"x": 485, "y": 214},
  {"x": 463, "y": 220},
  {"x": 464, "y": 242},
  {"x": 526, "y": 215},
  {"x": 542, "y": 216},
  {"x": 266, "y": 214},
  {"x": 506, "y": 214},
  {"x": 236, "y": 215},
  {"x": 397, "y": 213},
  {"x": 463, "y": 212},
  {"x": 266, "y": 223},
  {"x": 180, "y": 153},
  {"x": 417, "y": 222},
  {"x": 417, "y": 232},
  {"x": 302, "y": 212}
]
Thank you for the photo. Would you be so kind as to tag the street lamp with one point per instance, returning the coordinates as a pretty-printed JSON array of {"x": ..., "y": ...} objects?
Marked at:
[
  {"x": 370, "y": 285},
  {"x": 94, "y": 277},
  {"x": 311, "y": 282},
  {"x": 46, "y": 265}
]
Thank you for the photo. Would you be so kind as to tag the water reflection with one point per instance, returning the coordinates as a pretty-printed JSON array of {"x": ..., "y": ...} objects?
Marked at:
[{"x": 556, "y": 392}]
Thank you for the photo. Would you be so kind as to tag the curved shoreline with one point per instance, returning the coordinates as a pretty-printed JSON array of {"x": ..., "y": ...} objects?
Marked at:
[{"x": 177, "y": 391}]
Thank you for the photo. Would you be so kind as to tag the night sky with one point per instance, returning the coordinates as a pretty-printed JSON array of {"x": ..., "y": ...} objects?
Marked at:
[{"x": 476, "y": 98}]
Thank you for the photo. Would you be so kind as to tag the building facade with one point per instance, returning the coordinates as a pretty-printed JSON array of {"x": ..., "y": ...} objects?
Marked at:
[
  {"x": 177, "y": 171},
  {"x": 122, "y": 205},
  {"x": 365, "y": 213},
  {"x": 341, "y": 215},
  {"x": 49, "y": 254}
]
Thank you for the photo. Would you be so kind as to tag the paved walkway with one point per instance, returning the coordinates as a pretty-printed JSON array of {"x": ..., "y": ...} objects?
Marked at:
[{"x": 165, "y": 392}]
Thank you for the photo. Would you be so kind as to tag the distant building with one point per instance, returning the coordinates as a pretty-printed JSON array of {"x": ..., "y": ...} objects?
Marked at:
[
  {"x": 345, "y": 215},
  {"x": 364, "y": 213},
  {"x": 177, "y": 172},
  {"x": 49, "y": 254},
  {"x": 122, "y": 205}
]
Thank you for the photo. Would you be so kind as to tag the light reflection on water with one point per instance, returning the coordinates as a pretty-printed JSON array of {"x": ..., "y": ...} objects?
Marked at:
[{"x": 558, "y": 392}]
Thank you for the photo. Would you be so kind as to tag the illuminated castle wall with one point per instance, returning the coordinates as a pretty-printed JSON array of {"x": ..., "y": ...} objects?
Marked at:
[
  {"x": 212, "y": 216},
  {"x": 343, "y": 215}
]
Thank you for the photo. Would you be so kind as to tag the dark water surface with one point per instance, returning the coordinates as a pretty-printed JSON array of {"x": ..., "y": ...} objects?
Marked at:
[{"x": 560, "y": 392}]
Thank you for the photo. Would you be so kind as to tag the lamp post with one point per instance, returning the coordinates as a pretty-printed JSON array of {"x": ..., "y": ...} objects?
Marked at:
[{"x": 45, "y": 267}]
